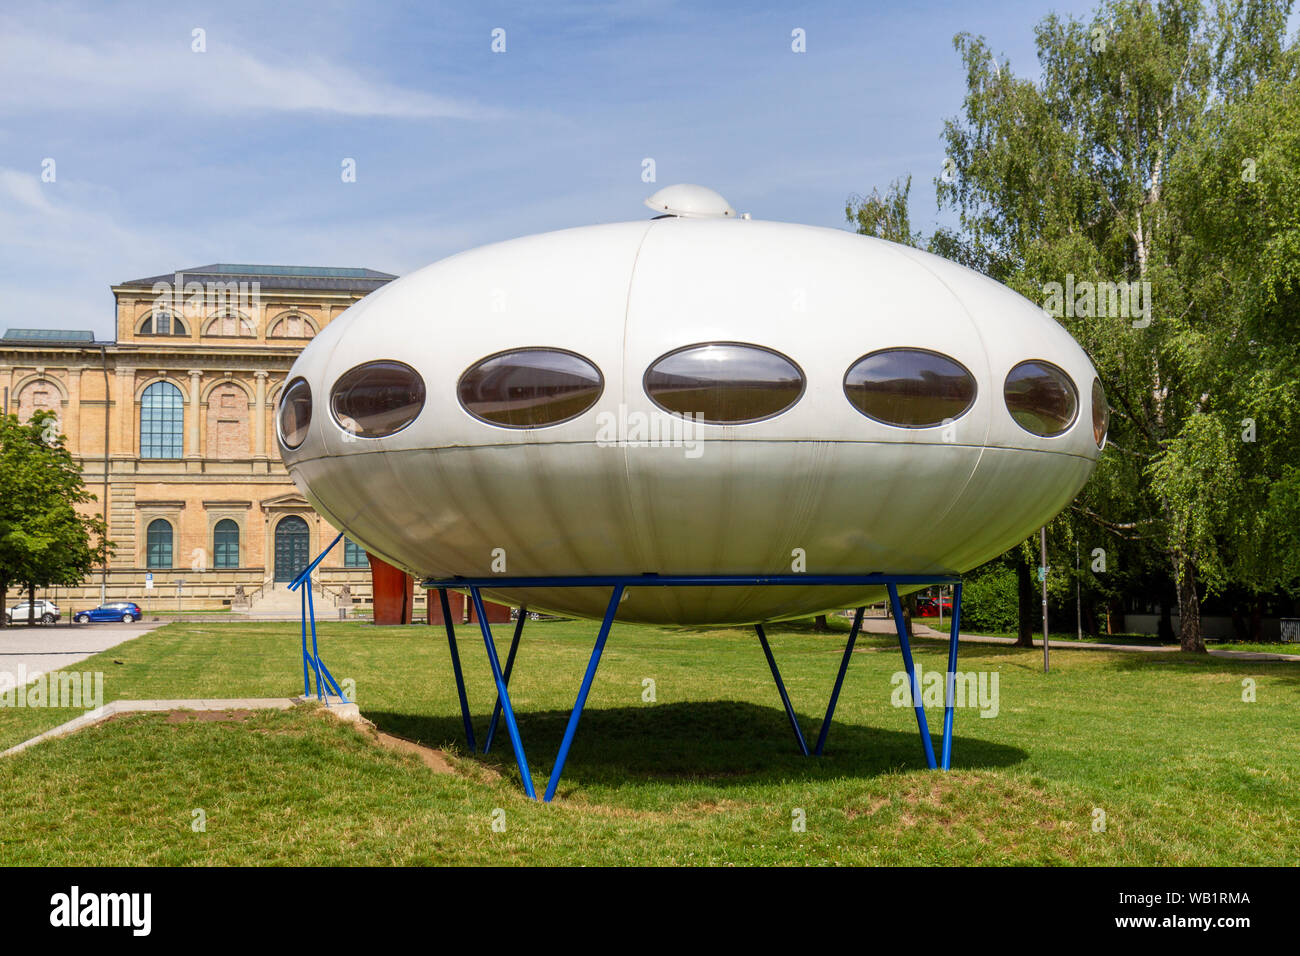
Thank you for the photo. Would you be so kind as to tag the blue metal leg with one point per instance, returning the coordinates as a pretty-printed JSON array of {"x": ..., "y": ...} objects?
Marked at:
[
  {"x": 503, "y": 694},
  {"x": 510, "y": 665},
  {"x": 839, "y": 681},
  {"x": 946, "y": 758},
  {"x": 306, "y": 681},
  {"x": 455, "y": 666},
  {"x": 780, "y": 686},
  {"x": 906, "y": 646},
  {"x": 587, "y": 678},
  {"x": 322, "y": 692}
]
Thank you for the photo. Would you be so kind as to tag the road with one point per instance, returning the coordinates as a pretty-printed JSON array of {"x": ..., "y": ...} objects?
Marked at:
[{"x": 32, "y": 651}]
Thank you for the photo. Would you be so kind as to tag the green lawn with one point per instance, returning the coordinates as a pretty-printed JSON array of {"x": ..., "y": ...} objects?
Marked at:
[{"x": 1185, "y": 771}]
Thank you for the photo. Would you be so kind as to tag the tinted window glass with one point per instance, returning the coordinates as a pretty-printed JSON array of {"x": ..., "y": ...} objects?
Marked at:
[
  {"x": 1100, "y": 413},
  {"x": 1041, "y": 398},
  {"x": 158, "y": 544},
  {"x": 525, "y": 388},
  {"x": 162, "y": 421},
  {"x": 724, "y": 383},
  {"x": 295, "y": 413},
  {"x": 377, "y": 399},
  {"x": 912, "y": 388}
]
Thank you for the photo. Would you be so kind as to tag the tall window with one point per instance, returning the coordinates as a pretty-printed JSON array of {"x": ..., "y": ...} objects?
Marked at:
[
  {"x": 225, "y": 544},
  {"x": 162, "y": 421},
  {"x": 158, "y": 544},
  {"x": 354, "y": 556}
]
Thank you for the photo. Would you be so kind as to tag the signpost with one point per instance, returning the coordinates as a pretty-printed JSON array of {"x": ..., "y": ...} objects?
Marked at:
[{"x": 1042, "y": 576}]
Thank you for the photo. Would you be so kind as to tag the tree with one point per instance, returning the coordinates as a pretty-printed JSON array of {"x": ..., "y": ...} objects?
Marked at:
[
  {"x": 1069, "y": 178},
  {"x": 44, "y": 539},
  {"x": 884, "y": 216}
]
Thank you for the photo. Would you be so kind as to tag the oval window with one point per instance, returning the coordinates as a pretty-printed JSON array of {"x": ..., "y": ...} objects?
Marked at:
[
  {"x": 527, "y": 388},
  {"x": 910, "y": 388},
  {"x": 1041, "y": 398},
  {"x": 724, "y": 383},
  {"x": 295, "y": 413},
  {"x": 377, "y": 399},
  {"x": 1100, "y": 413}
]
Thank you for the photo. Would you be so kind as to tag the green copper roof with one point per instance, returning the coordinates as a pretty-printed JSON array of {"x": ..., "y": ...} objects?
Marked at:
[{"x": 47, "y": 336}]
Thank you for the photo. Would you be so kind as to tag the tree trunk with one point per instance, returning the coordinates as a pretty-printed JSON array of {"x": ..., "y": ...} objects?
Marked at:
[
  {"x": 1115, "y": 616},
  {"x": 1189, "y": 610},
  {"x": 31, "y": 605},
  {"x": 1024, "y": 605},
  {"x": 820, "y": 624},
  {"x": 4, "y": 599}
]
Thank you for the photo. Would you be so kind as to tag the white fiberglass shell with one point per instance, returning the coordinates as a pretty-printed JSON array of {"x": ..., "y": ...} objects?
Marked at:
[{"x": 451, "y": 494}]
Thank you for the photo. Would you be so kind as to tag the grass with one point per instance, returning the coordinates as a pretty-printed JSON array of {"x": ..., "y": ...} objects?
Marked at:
[{"x": 1185, "y": 771}]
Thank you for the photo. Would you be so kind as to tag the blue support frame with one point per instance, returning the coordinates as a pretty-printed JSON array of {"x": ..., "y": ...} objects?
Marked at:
[
  {"x": 780, "y": 688},
  {"x": 455, "y": 668},
  {"x": 839, "y": 681},
  {"x": 311, "y": 660},
  {"x": 510, "y": 666},
  {"x": 618, "y": 583},
  {"x": 502, "y": 694}
]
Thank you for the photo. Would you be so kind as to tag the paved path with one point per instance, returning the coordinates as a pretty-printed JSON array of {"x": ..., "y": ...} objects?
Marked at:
[
  {"x": 884, "y": 625},
  {"x": 33, "y": 651}
]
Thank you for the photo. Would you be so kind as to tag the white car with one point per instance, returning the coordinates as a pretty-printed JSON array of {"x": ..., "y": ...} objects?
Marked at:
[{"x": 43, "y": 611}]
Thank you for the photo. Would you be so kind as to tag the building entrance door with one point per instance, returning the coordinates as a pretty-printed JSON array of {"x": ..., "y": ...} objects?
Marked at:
[{"x": 292, "y": 547}]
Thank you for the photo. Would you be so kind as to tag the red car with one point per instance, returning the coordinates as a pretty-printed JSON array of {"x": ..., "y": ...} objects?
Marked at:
[{"x": 927, "y": 606}]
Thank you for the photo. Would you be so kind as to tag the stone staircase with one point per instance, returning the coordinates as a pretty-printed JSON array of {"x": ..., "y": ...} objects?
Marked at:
[{"x": 277, "y": 603}]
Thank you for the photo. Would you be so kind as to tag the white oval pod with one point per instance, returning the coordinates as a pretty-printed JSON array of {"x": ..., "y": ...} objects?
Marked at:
[{"x": 619, "y": 482}]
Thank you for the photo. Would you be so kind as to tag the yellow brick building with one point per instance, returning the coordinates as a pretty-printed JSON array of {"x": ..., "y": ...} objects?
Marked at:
[{"x": 173, "y": 426}]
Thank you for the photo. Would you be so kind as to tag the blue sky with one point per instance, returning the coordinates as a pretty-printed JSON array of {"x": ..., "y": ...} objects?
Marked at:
[{"x": 167, "y": 158}]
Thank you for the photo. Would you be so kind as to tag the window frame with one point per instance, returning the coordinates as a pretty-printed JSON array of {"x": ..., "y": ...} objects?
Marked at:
[
  {"x": 1073, "y": 388},
  {"x": 217, "y": 557},
  {"x": 803, "y": 381},
  {"x": 844, "y": 386},
  {"x": 149, "y": 544},
  {"x": 154, "y": 438},
  {"x": 600, "y": 386}
]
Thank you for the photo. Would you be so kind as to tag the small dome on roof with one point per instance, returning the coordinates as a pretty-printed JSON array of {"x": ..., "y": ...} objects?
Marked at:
[{"x": 691, "y": 202}]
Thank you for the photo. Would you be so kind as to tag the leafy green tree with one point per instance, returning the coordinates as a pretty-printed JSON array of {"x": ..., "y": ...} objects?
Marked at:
[
  {"x": 1078, "y": 174},
  {"x": 44, "y": 539},
  {"x": 885, "y": 215}
]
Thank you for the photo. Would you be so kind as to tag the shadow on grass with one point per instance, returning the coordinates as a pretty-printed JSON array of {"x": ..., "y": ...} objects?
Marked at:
[{"x": 725, "y": 742}]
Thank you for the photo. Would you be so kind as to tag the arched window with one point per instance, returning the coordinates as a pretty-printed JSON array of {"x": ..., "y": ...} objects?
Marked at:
[
  {"x": 225, "y": 544},
  {"x": 158, "y": 544},
  {"x": 354, "y": 556},
  {"x": 162, "y": 421},
  {"x": 162, "y": 322}
]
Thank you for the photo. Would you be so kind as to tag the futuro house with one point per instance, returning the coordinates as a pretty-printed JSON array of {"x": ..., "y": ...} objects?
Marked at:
[{"x": 698, "y": 393}]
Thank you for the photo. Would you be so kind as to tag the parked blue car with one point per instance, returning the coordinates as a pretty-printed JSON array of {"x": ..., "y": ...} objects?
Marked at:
[{"x": 125, "y": 611}]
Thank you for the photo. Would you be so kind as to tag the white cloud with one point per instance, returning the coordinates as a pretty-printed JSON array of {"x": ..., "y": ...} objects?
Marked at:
[{"x": 42, "y": 72}]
